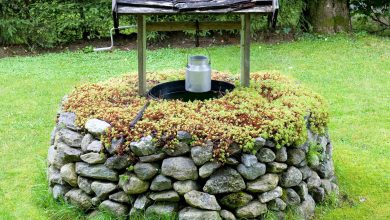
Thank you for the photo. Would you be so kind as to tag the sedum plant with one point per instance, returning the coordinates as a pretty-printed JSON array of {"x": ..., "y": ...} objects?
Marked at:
[{"x": 274, "y": 107}]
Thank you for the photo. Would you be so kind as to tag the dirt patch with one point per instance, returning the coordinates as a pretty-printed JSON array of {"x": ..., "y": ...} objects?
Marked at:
[{"x": 128, "y": 42}]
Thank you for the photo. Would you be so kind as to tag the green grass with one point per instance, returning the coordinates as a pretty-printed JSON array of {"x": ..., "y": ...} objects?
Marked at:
[{"x": 353, "y": 74}]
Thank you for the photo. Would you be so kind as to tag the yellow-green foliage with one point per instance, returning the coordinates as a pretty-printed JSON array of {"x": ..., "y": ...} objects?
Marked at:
[{"x": 273, "y": 107}]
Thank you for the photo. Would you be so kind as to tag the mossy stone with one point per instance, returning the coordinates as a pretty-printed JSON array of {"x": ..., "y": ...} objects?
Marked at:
[{"x": 236, "y": 200}]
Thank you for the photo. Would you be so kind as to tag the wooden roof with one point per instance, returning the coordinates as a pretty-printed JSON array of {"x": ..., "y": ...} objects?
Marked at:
[{"x": 194, "y": 6}]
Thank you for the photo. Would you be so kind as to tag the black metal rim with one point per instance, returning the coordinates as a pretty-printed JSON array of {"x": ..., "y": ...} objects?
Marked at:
[{"x": 169, "y": 89}]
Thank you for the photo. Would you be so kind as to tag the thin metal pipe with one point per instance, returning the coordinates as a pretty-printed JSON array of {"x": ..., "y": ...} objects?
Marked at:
[{"x": 112, "y": 38}]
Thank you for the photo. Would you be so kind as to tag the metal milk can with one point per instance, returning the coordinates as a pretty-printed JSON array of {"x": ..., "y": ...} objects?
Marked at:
[{"x": 198, "y": 74}]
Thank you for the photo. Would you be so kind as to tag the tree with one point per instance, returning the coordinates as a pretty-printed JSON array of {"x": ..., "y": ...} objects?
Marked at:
[
  {"x": 376, "y": 10},
  {"x": 326, "y": 16}
]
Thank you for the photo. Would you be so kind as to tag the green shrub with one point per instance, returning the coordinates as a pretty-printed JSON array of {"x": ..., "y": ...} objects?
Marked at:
[{"x": 40, "y": 23}]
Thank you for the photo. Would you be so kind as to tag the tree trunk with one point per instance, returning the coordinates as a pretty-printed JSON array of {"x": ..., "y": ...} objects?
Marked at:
[{"x": 326, "y": 16}]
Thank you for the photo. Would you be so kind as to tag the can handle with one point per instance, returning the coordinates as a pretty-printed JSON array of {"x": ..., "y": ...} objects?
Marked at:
[{"x": 209, "y": 56}]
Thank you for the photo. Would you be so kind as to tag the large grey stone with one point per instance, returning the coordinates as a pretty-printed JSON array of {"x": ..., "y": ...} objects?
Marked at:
[
  {"x": 232, "y": 161},
  {"x": 145, "y": 171},
  {"x": 306, "y": 209},
  {"x": 68, "y": 174},
  {"x": 251, "y": 210},
  {"x": 144, "y": 147},
  {"x": 53, "y": 135},
  {"x": 178, "y": 150},
  {"x": 269, "y": 144},
  {"x": 183, "y": 136},
  {"x": 161, "y": 209},
  {"x": 302, "y": 190},
  {"x": 317, "y": 193},
  {"x": 327, "y": 185},
  {"x": 265, "y": 155},
  {"x": 236, "y": 200},
  {"x": 292, "y": 197},
  {"x": 224, "y": 180},
  {"x": 97, "y": 127},
  {"x": 190, "y": 213},
  {"x": 114, "y": 208},
  {"x": 98, "y": 171},
  {"x": 118, "y": 162},
  {"x": 54, "y": 176},
  {"x": 102, "y": 190},
  {"x": 180, "y": 168},
  {"x": 84, "y": 184},
  {"x": 71, "y": 138},
  {"x": 131, "y": 184},
  {"x": 265, "y": 183},
  {"x": 275, "y": 167},
  {"x": 116, "y": 143},
  {"x": 185, "y": 186},
  {"x": 292, "y": 177},
  {"x": 152, "y": 158},
  {"x": 306, "y": 172},
  {"x": 68, "y": 119},
  {"x": 227, "y": 215},
  {"x": 95, "y": 146},
  {"x": 93, "y": 158},
  {"x": 251, "y": 172},
  {"x": 161, "y": 183},
  {"x": 248, "y": 160},
  {"x": 270, "y": 195},
  {"x": 51, "y": 155},
  {"x": 313, "y": 181},
  {"x": 259, "y": 143},
  {"x": 281, "y": 155},
  {"x": 277, "y": 205},
  {"x": 201, "y": 154},
  {"x": 66, "y": 154},
  {"x": 295, "y": 156},
  {"x": 325, "y": 169},
  {"x": 208, "y": 168},
  {"x": 202, "y": 200},
  {"x": 59, "y": 191},
  {"x": 122, "y": 197},
  {"x": 87, "y": 139},
  {"x": 142, "y": 202},
  {"x": 79, "y": 198},
  {"x": 165, "y": 196}
]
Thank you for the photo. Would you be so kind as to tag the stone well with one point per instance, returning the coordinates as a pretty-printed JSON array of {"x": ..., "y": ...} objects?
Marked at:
[{"x": 186, "y": 180}]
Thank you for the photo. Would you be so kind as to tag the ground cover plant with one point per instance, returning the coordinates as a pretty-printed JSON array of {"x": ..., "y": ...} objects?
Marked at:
[
  {"x": 273, "y": 107},
  {"x": 351, "y": 73}
]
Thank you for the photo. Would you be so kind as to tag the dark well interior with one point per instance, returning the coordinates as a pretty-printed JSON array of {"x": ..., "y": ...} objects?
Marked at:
[{"x": 176, "y": 90}]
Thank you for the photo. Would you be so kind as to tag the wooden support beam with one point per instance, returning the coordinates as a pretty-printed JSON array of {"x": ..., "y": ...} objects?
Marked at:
[
  {"x": 181, "y": 26},
  {"x": 245, "y": 49},
  {"x": 141, "y": 44}
]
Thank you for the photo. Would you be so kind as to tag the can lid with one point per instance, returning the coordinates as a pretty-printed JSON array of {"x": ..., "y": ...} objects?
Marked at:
[{"x": 198, "y": 60}]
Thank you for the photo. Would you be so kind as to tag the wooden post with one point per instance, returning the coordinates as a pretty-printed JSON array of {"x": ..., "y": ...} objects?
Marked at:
[
  {"x": 116, "y": 22},
  {"x": 245, "y": 49},
  {"x": 141, "y": 44}
]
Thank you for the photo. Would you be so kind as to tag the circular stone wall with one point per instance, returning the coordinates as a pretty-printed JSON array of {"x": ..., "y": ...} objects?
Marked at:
[{"x": 187, "y": 179}]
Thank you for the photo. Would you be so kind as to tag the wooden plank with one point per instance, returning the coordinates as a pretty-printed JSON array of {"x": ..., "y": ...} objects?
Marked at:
[
  {"x": 181, "y": 26},
  {"x": 141, "y": 44},
  {"x": 149, "y": 11},
  {"x": 148, "y": 3},
  {"x": 245, "y": 49}
]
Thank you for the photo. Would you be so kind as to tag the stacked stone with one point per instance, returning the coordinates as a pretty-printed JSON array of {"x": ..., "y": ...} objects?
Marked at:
[{"x": 185, "y": 179}]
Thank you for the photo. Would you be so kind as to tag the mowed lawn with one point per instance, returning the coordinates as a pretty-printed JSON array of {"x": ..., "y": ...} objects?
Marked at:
[{"x": 352, "y": 73}]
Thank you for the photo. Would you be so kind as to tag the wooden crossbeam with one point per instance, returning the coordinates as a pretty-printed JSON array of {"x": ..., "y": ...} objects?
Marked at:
[{"x": 181, "y": 26}]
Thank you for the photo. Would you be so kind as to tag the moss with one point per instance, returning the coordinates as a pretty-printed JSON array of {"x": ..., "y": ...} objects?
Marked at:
[
  {"x": 236, "y": 200},
  {"x": 273, "y": 107}
]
